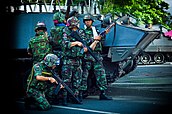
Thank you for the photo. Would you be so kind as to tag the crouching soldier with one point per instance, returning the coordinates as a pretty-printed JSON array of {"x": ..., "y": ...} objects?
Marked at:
[{"x": 38, "y": 89}]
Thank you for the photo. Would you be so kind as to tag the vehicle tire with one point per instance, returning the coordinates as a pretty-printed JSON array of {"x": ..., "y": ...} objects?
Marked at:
[
  {"x": 159, "y": 58},
  {"x": 131, "y": 66},
  {"x": 145, "y": 58}
]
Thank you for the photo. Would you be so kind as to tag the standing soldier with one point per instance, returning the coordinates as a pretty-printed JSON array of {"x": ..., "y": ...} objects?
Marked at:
[
  {"x": 39, "y": 45},
  {"x": 56, "y": 33},
  {"x": 71, "y": 69},
  {"x": 93, "y": 39},
  {"x": 38, "y": 90}
]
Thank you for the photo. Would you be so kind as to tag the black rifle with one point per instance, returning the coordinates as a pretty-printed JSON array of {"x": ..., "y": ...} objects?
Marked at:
[
  {"x": 61, "y": 82},
  {"x": 75, "y": 35}
]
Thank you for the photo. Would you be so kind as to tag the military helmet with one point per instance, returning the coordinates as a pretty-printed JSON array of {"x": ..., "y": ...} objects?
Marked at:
[
  {"x": 51, "y": 60},
  {"x": 40, "y": 26},
  {"x": 87, "y": 17},
  {"x": 72, "y": 21},
  {"x": 58, "y": 17}
]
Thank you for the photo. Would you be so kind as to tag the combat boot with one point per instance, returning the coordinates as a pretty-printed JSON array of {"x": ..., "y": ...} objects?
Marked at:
[
  {"x": 64, "y": 101},
  {"x": 64, "y": 97},
  {"x": 80, "y": 96},
  {"x": 29, "y": 103},
  {"x": 103, "y": 96}
]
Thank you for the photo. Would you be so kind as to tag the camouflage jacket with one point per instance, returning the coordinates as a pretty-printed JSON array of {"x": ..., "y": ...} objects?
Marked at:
[
  {"x": 90, "y": 39},
  {"x": 41, "y": 70},
  {"x": 39, "y": 46},
  {"x": 56, "y": 33},
  {"x": 71, "y": 52}
]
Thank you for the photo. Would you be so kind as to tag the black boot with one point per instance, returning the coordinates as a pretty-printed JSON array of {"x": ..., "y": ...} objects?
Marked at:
[
  {"x": 64, "y": 99},
  {"x": 29, "y": 103},
  {"x": 80, "y": 96},
  {"x": 103, "y": 96},
  {"x": 64, "y": 102}
]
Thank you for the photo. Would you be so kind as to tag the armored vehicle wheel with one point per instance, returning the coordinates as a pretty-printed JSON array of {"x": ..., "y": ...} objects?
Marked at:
[
  {"x": 159, "y": 58},
  {"x": 145, "y": 58},
  {"x": 131, "y": 66}
]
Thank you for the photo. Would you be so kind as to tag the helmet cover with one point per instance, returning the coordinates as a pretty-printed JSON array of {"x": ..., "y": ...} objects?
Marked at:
[
  {"x": 40, "y": 26},
  {"x": 72, "y": 21},
  {"x": 88, "y": 17},
  {"x": 58, "y": 17},
  {"x": 51, "y": 60}
]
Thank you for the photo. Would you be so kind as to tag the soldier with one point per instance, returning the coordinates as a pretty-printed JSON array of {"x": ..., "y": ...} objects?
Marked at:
[
  {"x": 56, "y": 33},
  {"x": 71, "y": 69},
  {"x": 39, "y": 45},
  {"x": 94, "y": 40},
  {"x": 56, "y": 37},
  {"x": 38, "y": 89}
]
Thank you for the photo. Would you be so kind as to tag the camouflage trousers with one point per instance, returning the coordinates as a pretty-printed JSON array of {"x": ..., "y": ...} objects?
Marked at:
[
  {"x": 41, "y": 98},
  {"x": 99, "y": 72},
  {"x": 72, "y": 74}
]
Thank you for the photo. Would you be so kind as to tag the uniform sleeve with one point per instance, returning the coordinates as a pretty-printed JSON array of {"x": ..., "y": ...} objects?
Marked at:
[
  {"x": 37, "y": 70},
  {"x": 66, "y": 42},
  {"x": 29, "y": 49}
]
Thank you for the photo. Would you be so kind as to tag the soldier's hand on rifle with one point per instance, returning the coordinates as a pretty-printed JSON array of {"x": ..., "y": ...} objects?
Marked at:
[
  {"x": 97, "y": 38},
  {"x": 52, "y": 80},
  {"x": 85, "y": 49},
  {"x": 61, "y": 86},
  {"x": 107, "y": 31}
]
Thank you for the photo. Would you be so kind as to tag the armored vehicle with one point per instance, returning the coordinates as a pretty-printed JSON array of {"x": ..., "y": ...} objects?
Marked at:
[
  {"x": 159, "y": 51},
  {"x": 121, "y": 48}
]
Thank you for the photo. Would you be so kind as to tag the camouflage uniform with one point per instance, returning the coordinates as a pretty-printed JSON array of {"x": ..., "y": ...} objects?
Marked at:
[
  {"x": 71, "y": 69},
  {"x": 90, "y": 64},
  {"x": 39, "y": 45},
  {"x": 56, "y": 33},
  {"x": 56, "y": 37},
  {"x": 39, "y": 91}
]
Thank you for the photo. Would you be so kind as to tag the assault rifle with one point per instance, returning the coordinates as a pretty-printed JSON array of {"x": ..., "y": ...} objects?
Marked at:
[
  {"x": 107, "y": 28},
  {"x": 61, "y": 82},
  {"x": 75, "y": 35}
]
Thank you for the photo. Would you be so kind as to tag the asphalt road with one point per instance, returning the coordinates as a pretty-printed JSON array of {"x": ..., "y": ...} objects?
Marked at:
[{"x": 146, "y": 90}]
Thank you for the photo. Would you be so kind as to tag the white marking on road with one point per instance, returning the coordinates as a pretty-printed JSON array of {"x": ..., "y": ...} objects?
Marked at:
[
  {"x": 81, "y": 109},
  {"x": 159, "y": 65},
  {"x": 87, "y": 110},
  {"x": 129, "y": 83}
]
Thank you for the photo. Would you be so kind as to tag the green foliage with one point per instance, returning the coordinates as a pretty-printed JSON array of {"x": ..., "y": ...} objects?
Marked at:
[{"x": 148, "y": 11}]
